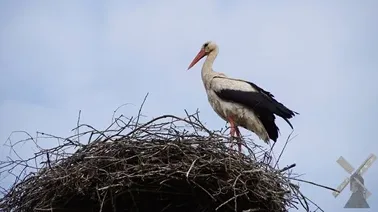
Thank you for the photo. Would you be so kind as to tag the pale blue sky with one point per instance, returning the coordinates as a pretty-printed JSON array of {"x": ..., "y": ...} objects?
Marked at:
[{"x": 319, "y": 58}]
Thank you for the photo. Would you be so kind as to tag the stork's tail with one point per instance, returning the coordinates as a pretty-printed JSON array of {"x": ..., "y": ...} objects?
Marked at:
[{"x": 286, "y": 114}]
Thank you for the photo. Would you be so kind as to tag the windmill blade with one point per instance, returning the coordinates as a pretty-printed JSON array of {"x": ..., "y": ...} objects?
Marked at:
[
  {"x": 367, "y": 163},
  {"x": 341, "y": 187},
  {"x": 367, "y": 192},
  {"x": 343, "y": 163}
]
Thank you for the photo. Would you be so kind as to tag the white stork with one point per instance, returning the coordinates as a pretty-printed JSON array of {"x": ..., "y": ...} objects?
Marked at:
[{"x": 239, "y": 102}]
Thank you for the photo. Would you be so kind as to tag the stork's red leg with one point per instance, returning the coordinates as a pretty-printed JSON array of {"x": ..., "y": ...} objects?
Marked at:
[
  {"x": 238, "y": 138},
  {"x": 234, "y": 129},
  {"x": 232, "y": 126},
  {"x": 237, "y": 131}
]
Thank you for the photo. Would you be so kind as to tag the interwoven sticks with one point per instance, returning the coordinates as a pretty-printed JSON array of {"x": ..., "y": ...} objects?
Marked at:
[{"x": 166, "y": 164}]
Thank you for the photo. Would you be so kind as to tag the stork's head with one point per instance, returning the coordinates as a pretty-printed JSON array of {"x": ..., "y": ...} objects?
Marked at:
[{"x": 206, "y": 49}]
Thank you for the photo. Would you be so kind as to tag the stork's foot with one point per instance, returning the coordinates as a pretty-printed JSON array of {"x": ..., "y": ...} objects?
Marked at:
[{"x": 235, "y": 130}]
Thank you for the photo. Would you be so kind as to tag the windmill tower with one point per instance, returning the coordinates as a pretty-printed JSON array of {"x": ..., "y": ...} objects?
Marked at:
[{"x": 359, "y": 193}]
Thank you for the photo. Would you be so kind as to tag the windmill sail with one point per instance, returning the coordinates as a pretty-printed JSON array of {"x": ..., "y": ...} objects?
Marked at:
[
  {"x": 341, "y": 187},
  {"x": 366, "y": 165},
  {"x": 343, "y": 163}
]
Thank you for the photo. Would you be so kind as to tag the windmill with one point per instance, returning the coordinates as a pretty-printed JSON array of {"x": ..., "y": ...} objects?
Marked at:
[{"x": 359, "y": 193}]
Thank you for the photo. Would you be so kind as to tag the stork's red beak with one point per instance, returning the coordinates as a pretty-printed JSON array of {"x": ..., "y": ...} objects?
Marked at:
[{"x": 199, "y": 56}]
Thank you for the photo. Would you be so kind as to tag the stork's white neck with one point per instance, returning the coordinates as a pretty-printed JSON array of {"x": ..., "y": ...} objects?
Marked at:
[{"x": 207, "y": 68}]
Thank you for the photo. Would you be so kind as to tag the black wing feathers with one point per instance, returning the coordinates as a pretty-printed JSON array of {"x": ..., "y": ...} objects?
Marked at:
[
  {"x": 282, "y": 110},
  {"x": 258, "y": 103},
  {"x": 264, "y": 105}
]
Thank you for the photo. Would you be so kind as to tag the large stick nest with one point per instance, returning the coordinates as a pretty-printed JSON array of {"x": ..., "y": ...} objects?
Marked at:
[{"x": 162, "y": 165}]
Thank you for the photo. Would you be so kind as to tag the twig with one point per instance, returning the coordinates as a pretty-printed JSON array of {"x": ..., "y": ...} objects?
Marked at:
[
  {"x": 78, "y": 129},
  {"x": 283, "y": 149},
  {"x": 315, "y": 184},
  {"x": 191, "y": 166},
  {"x": 317, "y": 206},
  {"x": 140, "y": 110},
  {"x": 232, "y": 198},
  {"x": 288, "y": 167},
  {"x": 115, "y": 111}
]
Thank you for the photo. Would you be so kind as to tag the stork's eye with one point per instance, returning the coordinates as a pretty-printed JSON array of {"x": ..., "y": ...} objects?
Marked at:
[{"x": 205, "y": 45}]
